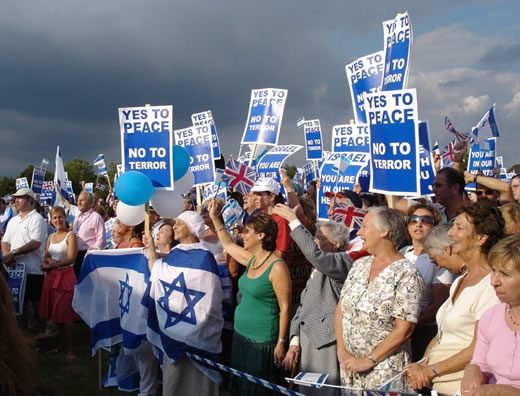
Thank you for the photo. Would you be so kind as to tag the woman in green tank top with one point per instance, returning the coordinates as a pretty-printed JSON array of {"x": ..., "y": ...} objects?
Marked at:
[{"x": 262, "y": 317}]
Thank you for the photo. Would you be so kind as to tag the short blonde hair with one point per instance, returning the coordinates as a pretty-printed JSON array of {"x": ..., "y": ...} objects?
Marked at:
[{"x": 505, "y": 251}]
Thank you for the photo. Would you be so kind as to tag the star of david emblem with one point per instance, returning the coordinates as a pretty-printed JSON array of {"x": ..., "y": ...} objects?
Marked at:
[
  {"x": 191, "y": 296},
  {"x": 125, "y": 291}
]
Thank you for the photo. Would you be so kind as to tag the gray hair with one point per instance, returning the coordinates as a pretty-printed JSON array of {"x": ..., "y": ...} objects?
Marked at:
[
  {"x": 437, "y": 239},
  {"x": 338, "y": 233},
  {"x": 90, "y": 196},
  {"x": 391, "y": 220}
]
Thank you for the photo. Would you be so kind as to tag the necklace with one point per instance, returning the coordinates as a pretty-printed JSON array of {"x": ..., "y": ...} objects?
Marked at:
[
  {"x": 262, "y": 263},
  {"x": 511, "y": 315}
]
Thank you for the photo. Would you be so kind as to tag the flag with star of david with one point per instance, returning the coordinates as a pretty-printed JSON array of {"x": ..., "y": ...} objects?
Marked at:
[
  {"x": 108, "y": 296},
  {"x": 183, "y": 303}
]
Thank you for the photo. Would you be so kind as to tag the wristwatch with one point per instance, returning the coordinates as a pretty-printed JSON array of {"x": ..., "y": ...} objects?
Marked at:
[{"x": 434, "y": 371}]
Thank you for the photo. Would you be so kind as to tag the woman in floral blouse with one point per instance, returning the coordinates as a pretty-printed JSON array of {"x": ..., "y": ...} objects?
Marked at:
[{"x": 379, "y": 307}]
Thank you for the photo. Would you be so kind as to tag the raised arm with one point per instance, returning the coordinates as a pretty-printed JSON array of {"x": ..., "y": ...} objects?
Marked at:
[
  {"x": 503, "y": 187},
  {"x": 237, "y": 252}
]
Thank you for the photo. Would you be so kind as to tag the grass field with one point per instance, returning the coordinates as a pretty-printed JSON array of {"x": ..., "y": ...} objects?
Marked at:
[{"x": 77, "y": 377}]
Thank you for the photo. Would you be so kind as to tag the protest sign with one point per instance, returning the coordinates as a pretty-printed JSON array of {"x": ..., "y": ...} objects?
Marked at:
[
  {"x": 482, "y": 157},
  {"x": 272, "y": 161},
  {"x": 265, "y": 116},
  {"x": 212, "y": 190},
  {"x": 16, "y": 282},
  {"x": 37, "y": 179},
  {"x": 146, "y": 143},
  {"x": 394, "y": 142},
  {"x": 310, "y": 173},
  {"x": 45, "y": 164},
  {"x": 47, "y": 191},
  {"x": 332, "y": 180},
  {"x": 313, "y": 140},
  {"x": 364, "y": 75},
  {"x": 89, "y": 187},
  {"x": 21, "y": 182},
  {"x": 398, "y": 41},
  {"x": 197, "y": 142},
  {"x": 427, "y": 170},
  {"x": 205, "y": 120}
]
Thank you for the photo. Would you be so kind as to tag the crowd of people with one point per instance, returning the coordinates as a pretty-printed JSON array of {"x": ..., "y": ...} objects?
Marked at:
[{"x": 425, "y": 295}]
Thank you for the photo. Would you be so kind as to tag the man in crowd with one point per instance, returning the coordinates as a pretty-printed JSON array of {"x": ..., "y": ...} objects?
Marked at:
[
  {"x": 88, "y": 226},
  {"x": 448, "y": 187},
  {"x": 6, "y": 213},
  {"x": 266, "y": 190},
  {"x": 24, "y": 242}
]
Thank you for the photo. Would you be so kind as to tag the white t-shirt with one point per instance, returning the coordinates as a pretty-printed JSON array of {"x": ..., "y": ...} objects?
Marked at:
[
  {"x": 430, "y": 274},
  {"x": 20, "y": 232}
]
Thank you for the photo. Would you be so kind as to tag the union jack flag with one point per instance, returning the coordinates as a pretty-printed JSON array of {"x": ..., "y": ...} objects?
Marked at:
[
  {"x": 461, "y": 137},
  {"x": 350, "y": 215},
  {"x": 239, "y": 176},
  {"x": 447, "y": 155},
  {"x": 100, "y": 187},
  {"x": 48, "y": 186}
]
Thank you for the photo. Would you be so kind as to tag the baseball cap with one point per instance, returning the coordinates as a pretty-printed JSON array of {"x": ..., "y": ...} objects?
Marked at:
[
  {"x": 23, "y": 192},
  {"x": 266, "y": 184},
  {"x": 354, "y": 197}
]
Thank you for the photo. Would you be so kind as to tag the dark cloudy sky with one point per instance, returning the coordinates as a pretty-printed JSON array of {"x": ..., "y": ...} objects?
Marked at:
[{"x": 66, "y": 66}]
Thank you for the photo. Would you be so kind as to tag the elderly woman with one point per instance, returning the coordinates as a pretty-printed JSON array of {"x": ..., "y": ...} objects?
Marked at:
[
  {"x": 311, "y": 332},
  {"x": 437, "y": 281},
  {"x": 379, "y": 306},
  {"x": 262, "y": 317},
  {"x": 437, "y": 245},
  {"x": 495, "y": 368},
  {"x": 476, "y": 229}
]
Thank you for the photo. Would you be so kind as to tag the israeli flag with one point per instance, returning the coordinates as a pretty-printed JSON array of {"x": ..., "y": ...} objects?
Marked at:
[
  {"x": 60, "y": 177},
  {"x": 300, "y": 122},
  {"x": 341, "y": 164},
  {"x": 183, "y": 303},
  {"x": 99, "y": 161},
  {"x": 108, "y": 295},
  {"x": 486, "y": 128}
]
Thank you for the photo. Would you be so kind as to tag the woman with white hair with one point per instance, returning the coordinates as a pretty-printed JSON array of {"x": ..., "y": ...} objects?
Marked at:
[
  {"x": 312, "y": 339},
  {"x": 379, "y": 306}
]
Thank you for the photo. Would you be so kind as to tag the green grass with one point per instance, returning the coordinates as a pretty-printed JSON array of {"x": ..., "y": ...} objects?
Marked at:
[{"x": 75, "y": 377}]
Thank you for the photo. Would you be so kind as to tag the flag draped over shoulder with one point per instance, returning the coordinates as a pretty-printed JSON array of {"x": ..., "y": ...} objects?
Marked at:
[
  {"x": 108, "y": 296},
  {"x": 239, "y": 176},
  {"x": 183, "y": 303}
]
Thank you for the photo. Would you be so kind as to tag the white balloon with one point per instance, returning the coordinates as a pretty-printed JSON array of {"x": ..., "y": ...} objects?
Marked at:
[
  {"x": 185, "y": 183},
  {"x": 130, "y": 215},
  {"x": 168, "y": 204}
]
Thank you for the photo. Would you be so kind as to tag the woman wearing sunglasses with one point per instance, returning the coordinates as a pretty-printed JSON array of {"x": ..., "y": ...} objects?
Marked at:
[{"x": 437, "y": 281}]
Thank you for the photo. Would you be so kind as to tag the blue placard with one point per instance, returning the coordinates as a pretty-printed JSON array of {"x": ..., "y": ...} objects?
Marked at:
[
  {"x": 206, "y": 118},
  {"x": 146, "y": 143},
  {"x": 16, "y": 282},
  {"x": 265, "y": 116},
  {"x": 310, "y": 173},
  {"x": 394, "y": 142},
  {"x": 364, "y": 75},
  {"x": 398, "y": 41},
  {"x": 313, "y": 139},
  {"x": 197, "y": 142},
  {"x": 427, "y": 169},
  {"x": 482, "y": 157},
  {"x": 272, "y": 161},
  {"x": 37, "y": 179}
]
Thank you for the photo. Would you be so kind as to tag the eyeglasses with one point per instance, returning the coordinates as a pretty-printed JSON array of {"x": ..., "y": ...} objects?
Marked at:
[
  {"x": 487, "y": 192},
  {"x": 423, "y": 219}
]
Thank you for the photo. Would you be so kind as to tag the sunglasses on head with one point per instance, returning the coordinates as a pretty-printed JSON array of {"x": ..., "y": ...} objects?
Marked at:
[
  {"x": 487, "y": 192},
  {"x": 424, "y": 219}
]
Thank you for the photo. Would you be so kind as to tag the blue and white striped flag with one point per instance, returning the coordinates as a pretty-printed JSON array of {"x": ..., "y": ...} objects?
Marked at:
[
  {"x": 233, "y": 214},
  {"x": 100, "y": 163},
  {"x": 486, "y": 128},
  {"x": 108, "y": 296},
  {"x": 60, "y": 177},
  {"x": 300, "y": 122},
  {"x": 183, "y": 303},
  {"x": 341, "y": 164}
]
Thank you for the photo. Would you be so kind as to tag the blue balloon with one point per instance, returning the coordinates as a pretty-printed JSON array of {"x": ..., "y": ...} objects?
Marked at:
[
  {"x": 181, "y": 162},
  {"x": 133, "y": 188}
]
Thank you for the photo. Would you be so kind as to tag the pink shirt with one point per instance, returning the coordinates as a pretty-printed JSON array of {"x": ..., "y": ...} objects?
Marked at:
[
  {"x": 497, "y": 352},
  {"x": 89, "y": 227}
]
